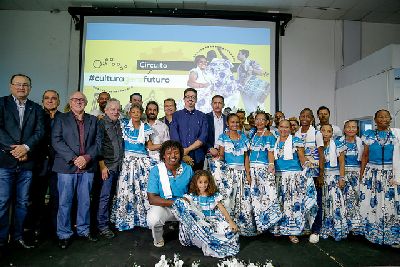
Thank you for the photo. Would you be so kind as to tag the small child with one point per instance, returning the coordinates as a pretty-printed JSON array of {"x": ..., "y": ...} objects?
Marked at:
[
  {"x": 204, "y": 221},
  {"x": 334, "y": 216}
]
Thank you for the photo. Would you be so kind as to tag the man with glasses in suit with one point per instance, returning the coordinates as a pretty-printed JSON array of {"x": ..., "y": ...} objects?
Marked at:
[{"x": 21, "y": 129}]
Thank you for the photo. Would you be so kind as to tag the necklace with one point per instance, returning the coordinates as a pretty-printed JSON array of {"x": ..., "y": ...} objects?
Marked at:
[
  {"x": 255, "y": 144},
  {"x": 382, "y": 142},
  {"x": 235, "y": 141}
]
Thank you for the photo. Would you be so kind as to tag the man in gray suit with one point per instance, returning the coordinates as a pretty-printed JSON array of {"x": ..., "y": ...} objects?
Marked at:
[
  {"x": 21, "y": 129},
  {"x": 76, "y": 140}
]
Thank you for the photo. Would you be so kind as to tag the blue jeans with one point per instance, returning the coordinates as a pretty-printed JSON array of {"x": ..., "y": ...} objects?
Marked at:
[
  {"x": 103, "y": 215},
  {"x": 21, "y": 179},
  {"x": 67, "y": 184}
]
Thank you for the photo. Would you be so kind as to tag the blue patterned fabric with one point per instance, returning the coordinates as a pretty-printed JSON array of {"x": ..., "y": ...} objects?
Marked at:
[
  {"x": 210, "y": 233},
  {"x": 130, "y": 136},
  {"x": 298, "y": 199},
  {"x": 334, "y": 217},
  {"x": 264, "y": 198},
  {"x": 130, "y": 204},
  {"x": 236, "y": 193},
  {"x": 380, "y": 201},
  {"x": 380, "y": 206},
  {"x": 311, "y": 151},
  {"x": 234, "y": 149},
  {"x": 259, "y": 146},
  {"x": 351, "y": 194},
  {"x": 351, "y": 157}
]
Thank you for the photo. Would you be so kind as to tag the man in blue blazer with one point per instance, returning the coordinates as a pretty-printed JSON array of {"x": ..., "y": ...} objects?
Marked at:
[
  {"x": 76, "y": 140},
  {"x": 21, "y": 129},
  {"x": 216, "y": 124}
]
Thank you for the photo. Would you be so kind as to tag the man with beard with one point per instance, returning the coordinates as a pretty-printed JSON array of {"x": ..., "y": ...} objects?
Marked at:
[
  {"x": 160, "y": 129},
  {"x": 189, "y": 126}
]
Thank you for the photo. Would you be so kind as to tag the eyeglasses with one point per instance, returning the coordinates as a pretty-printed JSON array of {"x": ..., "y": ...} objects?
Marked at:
[
  {"x": 191, "y": 97},
  {"x": 23, "y": 85},
  {"x": 76, "y": 100}
]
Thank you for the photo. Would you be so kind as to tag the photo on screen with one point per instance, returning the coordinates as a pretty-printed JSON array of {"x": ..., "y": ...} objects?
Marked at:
[{"x": 161, "y": 57}]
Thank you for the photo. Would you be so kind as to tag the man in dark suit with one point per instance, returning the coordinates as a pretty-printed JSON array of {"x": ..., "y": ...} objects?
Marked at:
[
  {"x": 43, "y": 178},
  {"x": 216, "y": 124},
  {"x": 76, "y": 140},
  {"x": 21, "y": 129}
]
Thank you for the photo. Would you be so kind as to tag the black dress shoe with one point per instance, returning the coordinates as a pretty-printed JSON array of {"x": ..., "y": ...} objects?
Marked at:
[
  {"x": 21, "y": 244},
  {"x": 64, "y": 243},
  {"x": 107, "y": 233},
  {"x": 89, "y": 237}
]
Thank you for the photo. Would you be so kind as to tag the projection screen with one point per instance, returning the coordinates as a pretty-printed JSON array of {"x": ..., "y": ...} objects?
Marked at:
[{"x": 159, "y": 57}]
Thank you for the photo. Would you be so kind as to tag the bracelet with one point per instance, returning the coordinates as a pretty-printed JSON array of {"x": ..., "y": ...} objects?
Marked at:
[{"x": 271, "y": 164}]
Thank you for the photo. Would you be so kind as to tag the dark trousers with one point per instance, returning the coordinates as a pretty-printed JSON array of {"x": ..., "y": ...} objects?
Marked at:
[
  {"x": 198, "y": 166},
  {"x": 106, "y": 194},
  {"x": 316, "y": 227}
]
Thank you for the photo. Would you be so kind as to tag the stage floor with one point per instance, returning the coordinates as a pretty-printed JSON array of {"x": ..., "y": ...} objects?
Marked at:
[{"x": 136, "y": 246}]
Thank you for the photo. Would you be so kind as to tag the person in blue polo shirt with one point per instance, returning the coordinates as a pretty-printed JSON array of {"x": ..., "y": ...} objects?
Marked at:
[
  {"x": 168, "y": 181},
  {"x": 189, "y": 126}
]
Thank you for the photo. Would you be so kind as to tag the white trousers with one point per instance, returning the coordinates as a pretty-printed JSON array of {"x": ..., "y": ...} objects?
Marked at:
[{"x": 156, "y": 218}]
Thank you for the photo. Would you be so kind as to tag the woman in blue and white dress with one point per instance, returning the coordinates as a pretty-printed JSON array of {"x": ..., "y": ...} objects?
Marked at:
[
  {"x": 334, "y": 216},
  {"x": 380, "y": 182},
  {"x": 264, "y": 195},
  {"x": 297, "y": 191},
  {"x": 313, "y": 147},
  {"x": 234, "y": 182},
  {"x": 351, "y": 190},
  {"x": 204, "y": 221},
  {"x": 130, "y": 202}
]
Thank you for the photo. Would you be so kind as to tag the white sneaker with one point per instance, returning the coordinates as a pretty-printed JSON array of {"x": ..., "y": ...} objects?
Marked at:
[
  {"x": 314, "y": 238},
  {"x": 159, "y": 244}
]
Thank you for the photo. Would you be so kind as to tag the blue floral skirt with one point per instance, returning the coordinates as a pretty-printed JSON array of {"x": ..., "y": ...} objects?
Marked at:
[
  {"x": 256, "y": 88},
  {"x": 334, "y": 216},
  {"x": 212, "y": 234},
  {"x": 236, "y": 191},
  {"x": 380, "y": 206},
  {"x": 351, "y": 194},
  {"x": 298, "y": 198},
  {"x": 264, "y": 198},
  {"x": 130, "y": 203}
]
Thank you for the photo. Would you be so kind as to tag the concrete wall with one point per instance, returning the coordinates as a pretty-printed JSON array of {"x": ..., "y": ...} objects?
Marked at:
[{"x": 46, "y": 47}]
